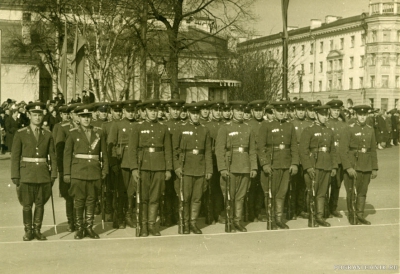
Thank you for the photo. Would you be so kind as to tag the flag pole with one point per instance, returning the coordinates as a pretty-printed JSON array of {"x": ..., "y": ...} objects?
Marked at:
[{"x": 285, "y": 38}]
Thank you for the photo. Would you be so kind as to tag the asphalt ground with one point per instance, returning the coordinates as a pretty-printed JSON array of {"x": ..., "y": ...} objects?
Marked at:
[{"x": 364, "y": 249}]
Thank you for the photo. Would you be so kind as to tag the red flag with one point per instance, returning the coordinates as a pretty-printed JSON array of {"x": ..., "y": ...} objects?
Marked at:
[
  {"x": 78, "y": 62},
  {"x": 285, "y": 6},
  {"x": 62, "y": 80}
]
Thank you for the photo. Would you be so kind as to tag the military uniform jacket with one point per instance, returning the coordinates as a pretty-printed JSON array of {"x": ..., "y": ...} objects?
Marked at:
[
  {"x": 213, "y": 126},
  {"x": 98, "y": 122},
  {"x": 338, "y": 128},
  {"x": 299, "y": 126},
  {"x": 278, "y": 140},
  {"x": 193, "y": 144},
  {"x": 173, "y": 125},
  {"x": 146, "y": 135},
  {"x": 362, "y": 138},
  {"x": 25, "y": 145},
  {"x": 313, "y": 138},
  {"x": 61, "y": 136},
  {"x": 236, "y": 135},
  {"x": 118, "y": 139},
  {"x": 78, "y": 143}
]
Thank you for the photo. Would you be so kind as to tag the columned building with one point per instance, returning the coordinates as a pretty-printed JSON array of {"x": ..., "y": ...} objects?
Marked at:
[{"x": 354, "y": 58}]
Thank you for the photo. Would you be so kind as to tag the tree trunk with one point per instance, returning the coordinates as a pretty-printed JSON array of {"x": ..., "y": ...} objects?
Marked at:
[{"x": 143, "y": 53}]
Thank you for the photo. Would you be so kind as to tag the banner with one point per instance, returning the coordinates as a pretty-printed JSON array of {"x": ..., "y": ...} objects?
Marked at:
[
  {"x": 78, "y": 62},
  {"x": 62, "y": 78}
]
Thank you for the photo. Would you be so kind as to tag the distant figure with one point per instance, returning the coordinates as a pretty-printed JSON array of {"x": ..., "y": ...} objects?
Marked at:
[
  {"x": 85, "y": 97},
  {"x": 60, "y": 99},
  {"x": 12, "y": 124}
]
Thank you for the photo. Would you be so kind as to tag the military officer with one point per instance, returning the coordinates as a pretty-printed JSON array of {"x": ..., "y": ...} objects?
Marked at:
[
  {"x": 226, "y": 112},
  {"x": 235, "y": 149},
  {"x": 310, "y": 113},
  {"x": 117, "y": 141},
  {"x": 213, "y": 197},
  {"x": 269, "y": 114},
  {"x": 192, "y": 164},
  {"x": 359, "y": 159},
  {"x": 85, "y": 164},
  {"x": 319, "y": 158},
  {"x": 150, "y": 147},
  {"x": 114, "y": 179},
  {"x": 63, "y": 110},
  {"x": 31, "y": 171},
  {"x": 255, "y": 194},
  {"x": 279, "y": 158},
  {"x": 298, "y": 202},
  {"x": 170, "y": 209},
  {"x": 205, "y": 111},
  {"x": 337, "y": 125},
  {"x": 247, "y": 113},
  {"x": 102, "y": 113},
  {"x": 62, "y": 135}
]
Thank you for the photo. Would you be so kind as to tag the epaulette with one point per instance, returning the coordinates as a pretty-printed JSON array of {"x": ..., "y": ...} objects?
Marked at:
[
  {"x": 66, "y": 124},
  {"x": 141, "y": 122},
  {"x": 72, "y": 129},
  {"x": 245, "y": 123},
  {"x": 369, "y": 126},
  {"x": 22, "y": 129},
  {"x": 95, "y": 129},
  {"x": 228, "y": 123},
  {"x": 160, "y": 123}
]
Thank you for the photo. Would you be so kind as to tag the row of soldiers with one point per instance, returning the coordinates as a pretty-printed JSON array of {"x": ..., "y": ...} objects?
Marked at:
[{"x": 168, "y": 165}]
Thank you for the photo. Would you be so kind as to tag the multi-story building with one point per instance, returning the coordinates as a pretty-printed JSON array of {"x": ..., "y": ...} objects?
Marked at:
[{"x": 354, "y": 58}]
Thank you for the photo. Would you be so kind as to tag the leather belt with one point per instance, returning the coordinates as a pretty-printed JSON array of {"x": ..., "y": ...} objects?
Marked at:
[
  {"x": 321, "y": 149},
  {"x": 34, "y": 160},
  {"x": 280, "y": 146},
  {"x": 362, "y": 150},
  {"x": 195, "y": 151},
  {"x": 87, "y": 156},
  {"x": 153, "y": 149},
  {"x": 239, "y": 149}
]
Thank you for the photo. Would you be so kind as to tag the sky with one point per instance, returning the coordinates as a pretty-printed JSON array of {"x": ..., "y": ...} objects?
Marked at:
[{"x": 300, "y": 12}]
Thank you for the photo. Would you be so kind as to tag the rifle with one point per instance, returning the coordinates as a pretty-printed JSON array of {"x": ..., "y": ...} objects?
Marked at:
[
  {"x": 181, "y": 201},
  {"x": 269, "y": 209},
  {"x": 103, "y": 187},
  {"x": 353, "y": 191},
  {"x": 138, "y": 189},
  {"x": 209, "y": 214},
  {"x": 228, "y": 219},
  {"x": 115, "y": 202},
  {"x": 312, "y": 200},
  {"x": 51, "y": 195}
]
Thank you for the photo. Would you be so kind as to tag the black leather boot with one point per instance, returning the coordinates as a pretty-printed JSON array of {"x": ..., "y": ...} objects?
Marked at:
[
  {"x": 327, "y": 212},
  {"x": 238, "y": 213},
  {"x": 37, "y": 224},
  {"x": 129, "y": 213},
  {"x": 144, "y": 232},
  {"x": 278, "y": 214},
  {"x": 360, "y": 211},
  {"x": 195, "y": 209},
  {"x": 320, "y": 212},
  {"x": 153, "y": 229},
  {"x": 186, "y": 217},
  {"x": 27, "y": 219},
  {"x": 121, "y": 213},
  {"x": 89, "y": 216},
  {"x": 79, "y": 223},
  {"x": 69, "y": 207}
]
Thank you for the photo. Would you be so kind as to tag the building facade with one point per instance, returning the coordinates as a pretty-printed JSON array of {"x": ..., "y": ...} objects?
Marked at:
[{"x": 354, "y": 58}]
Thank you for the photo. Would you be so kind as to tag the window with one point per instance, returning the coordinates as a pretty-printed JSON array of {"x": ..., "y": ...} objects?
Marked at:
[
  {"x": 277, "y": 52},
  {"x": 340, "y": 64},
  {"x": 397, "y": 82},
  {"x": 321, "y": 47},
  {"x": 373, "y": 36},
  {"x": 398, "y": 36},
  {"x": 371, "y": 102},
  {"x": 384, "y": 103},
  {"x": 302, "y": 49},
  {"x": 319, "y": 85},
  {"x": 385, "y": 81},
  {"x": 386, "y": 36},
  {"x": 292, "y": 87},
  {"x": 330, "y": 65},
  {"x": 372, "y": 81},
  {"x": 321, "y": 66},
  {"x": 361, "y": 80},
  {"x": 331, "y": 45},
  {"x": 352, "y": 41},
  {"x": 330, "y": 85},
  {"x": 361, "y": 61},
  {"x": 398, "y": 59},
  {"x": 373, "y": 59},
  {"x": 310, "y": 87},
  {"x": 311, "y": 67},
  {"x": 362, "y": 39},
  {"x": 350, "y": 83},
  {"x": 339, "y": 83},
  {"x": 385, "y": 59},
  {"x": 312, "y": 48},
  {"x": 341, "y": 43},
  {"x": 351, "y": 62}
]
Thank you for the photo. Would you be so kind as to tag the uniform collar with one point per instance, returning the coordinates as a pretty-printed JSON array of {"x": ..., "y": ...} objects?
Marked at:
[{"x": 237, "y": 121}]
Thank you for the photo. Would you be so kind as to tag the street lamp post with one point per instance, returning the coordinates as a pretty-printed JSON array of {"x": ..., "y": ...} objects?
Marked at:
[
  {"x": 300, "y": 74},
  {"x": 270, "y": 69}
]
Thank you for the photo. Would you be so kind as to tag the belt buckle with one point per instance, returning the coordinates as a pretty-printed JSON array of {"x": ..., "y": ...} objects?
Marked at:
[
  {"x": 281, "y": 146},
  {"x": 363, "y": 150},
  {"x": 336, "y": 144},
  {"x": 240, "y": 149},
  {"x": 195, "y": 151},
  {"x": 152, "y": 149},
  {"x": 324, "y": 149}
]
